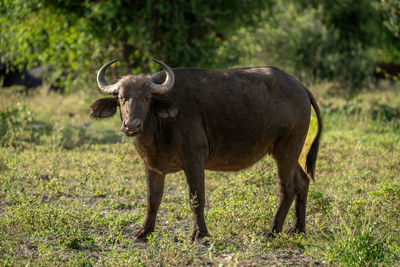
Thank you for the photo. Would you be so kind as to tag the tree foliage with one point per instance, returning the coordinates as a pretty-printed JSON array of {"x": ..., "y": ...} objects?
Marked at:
[
  {"x": 84, "y": 34},
  {"x": 322, "y": 40},
  {"x": 333, "y": 40}
]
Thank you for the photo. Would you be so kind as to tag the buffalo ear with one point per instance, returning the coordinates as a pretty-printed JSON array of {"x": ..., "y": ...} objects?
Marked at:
[
  {"x": 165, "y": 109},
  {"x": 103, "y": 108}
]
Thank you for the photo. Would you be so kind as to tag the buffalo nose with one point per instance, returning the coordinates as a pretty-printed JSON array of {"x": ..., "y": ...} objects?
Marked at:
[{"x": 132, "y": 126}]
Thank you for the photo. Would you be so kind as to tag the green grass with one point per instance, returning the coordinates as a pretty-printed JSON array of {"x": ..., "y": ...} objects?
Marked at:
[{"x": 73, "y": 192}]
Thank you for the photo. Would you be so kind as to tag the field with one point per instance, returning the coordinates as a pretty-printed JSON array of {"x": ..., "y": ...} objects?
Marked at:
[{"x": 73, "y": 191}]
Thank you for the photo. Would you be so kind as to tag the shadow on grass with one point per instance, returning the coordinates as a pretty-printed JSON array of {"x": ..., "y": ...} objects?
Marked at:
[
  {"x": 44, "y": 133},
  {"x": 72, "y": 136}
]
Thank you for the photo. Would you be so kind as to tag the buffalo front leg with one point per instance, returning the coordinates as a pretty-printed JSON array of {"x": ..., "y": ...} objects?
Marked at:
[
  {"x": 195, "y": 178},
  {"x": 155, "y": 188}
]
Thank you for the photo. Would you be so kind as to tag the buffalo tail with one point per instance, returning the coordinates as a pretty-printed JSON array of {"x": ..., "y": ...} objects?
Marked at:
[{"x": 313, "y": 152}]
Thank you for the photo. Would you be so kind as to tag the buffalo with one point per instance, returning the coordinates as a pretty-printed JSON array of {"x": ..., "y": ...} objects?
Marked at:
[
  {"x": 387, "y": 70},
  {"x": 28, "y": 78},
  {"x": 31, "y": 78},
  {"x": 224, "y": 120}
]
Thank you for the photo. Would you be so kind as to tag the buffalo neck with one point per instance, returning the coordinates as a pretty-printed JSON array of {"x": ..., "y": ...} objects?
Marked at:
[{"x": 150, "y": 131}]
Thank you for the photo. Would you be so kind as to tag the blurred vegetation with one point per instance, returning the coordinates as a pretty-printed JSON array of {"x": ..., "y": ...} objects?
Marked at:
[
  {"x": 82, "y": 35},
  {"x": 322, "y": 40},
  {"x": 315, "y": 40}
]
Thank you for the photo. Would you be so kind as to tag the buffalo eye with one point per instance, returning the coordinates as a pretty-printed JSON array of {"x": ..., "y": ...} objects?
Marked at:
[{"x": 147, "y": 99}]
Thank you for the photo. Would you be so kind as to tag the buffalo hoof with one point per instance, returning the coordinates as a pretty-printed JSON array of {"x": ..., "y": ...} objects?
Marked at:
[
  {"x": 142, "y": 235},
  {"x": 270, "y": 235},
  {"x": 295, "y": 230},
  {"x": 199, "y": 235}
]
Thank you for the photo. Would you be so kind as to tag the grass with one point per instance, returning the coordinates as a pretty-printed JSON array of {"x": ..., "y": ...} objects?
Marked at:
[{"x": 73, "y": 190}]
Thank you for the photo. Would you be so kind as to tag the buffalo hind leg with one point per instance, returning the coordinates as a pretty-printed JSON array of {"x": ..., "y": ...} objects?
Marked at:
[
  {"x": 285, "y": 154},
  {"x": 195, "y": 177},
  {"x": 302, "y": 182},
  {"x": 155, "y": 188},
  {"x": 286, "y": 196}
]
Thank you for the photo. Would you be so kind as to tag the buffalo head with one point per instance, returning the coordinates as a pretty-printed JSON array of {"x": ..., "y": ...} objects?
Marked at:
[{"x": 137, "y": 96}]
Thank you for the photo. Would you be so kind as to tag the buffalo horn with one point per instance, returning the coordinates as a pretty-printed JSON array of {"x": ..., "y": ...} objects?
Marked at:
[
  {"x": 169, "y": 81},
  {"x": 104, "y": 86}
]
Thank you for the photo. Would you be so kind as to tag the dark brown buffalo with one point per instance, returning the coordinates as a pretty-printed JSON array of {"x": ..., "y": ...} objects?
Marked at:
[
  {"x": 387, "y": 70},
  {"x": 224, "y": 120},
  {"x": 31, "y": 78}
]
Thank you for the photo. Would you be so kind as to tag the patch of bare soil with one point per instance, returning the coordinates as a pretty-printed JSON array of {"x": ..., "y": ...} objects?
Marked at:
[{"x": 278, "y": 258}]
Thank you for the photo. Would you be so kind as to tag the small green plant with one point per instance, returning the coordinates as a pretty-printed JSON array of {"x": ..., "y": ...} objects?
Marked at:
[
  {"x": 384, "y": 112},
  {"x": 359, "y": 240},
  {"x": 13, "y": 122},
  {"x": 358, "y": 248},
  {"x": 319, "y": 202},
  {"x": 71, "y": 136},
  {"x": 18, "y": 126}
]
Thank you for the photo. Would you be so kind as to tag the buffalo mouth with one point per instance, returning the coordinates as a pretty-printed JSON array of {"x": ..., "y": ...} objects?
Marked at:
[{"x": 131, "y": 134}]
